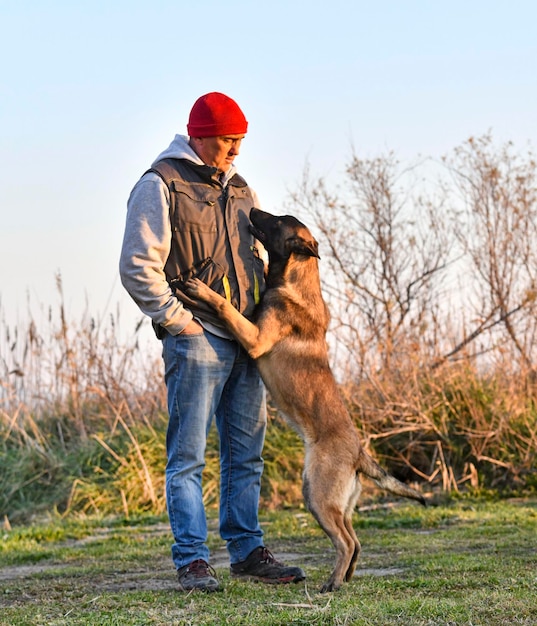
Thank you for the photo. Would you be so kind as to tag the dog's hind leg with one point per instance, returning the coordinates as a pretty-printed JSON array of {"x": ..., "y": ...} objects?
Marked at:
[
  {"x": 350, "y": 528},
  {"x": 326, "y": 502}
]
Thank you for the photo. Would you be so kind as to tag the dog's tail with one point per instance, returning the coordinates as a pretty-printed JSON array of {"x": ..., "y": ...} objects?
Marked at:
[{"x": 370, "y": 468}]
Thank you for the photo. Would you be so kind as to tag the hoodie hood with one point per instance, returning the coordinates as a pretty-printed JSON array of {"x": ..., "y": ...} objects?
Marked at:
[{"x": 180, "y": 149}]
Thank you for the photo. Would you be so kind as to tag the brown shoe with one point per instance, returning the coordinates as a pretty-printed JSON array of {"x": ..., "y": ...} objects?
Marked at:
[
  {"x": 197, "y": 575},
  {"x": 261, "y": 566}
]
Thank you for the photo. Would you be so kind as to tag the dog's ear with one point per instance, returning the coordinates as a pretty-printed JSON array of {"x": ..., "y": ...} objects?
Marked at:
[{"x": 299, "y": 245}]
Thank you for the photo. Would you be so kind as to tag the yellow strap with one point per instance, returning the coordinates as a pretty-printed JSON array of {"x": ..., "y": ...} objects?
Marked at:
[
  {"x": 256, "y": 289},
  {"x": 227, "y": 288}
]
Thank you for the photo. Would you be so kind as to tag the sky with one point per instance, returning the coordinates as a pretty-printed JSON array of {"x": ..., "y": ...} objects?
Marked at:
[{"x": 92, "y": 91}]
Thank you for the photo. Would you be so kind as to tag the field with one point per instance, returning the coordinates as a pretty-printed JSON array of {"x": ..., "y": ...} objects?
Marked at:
[
  {"x": 433, "y": 341},
  {"x": 464, "y": 561}
]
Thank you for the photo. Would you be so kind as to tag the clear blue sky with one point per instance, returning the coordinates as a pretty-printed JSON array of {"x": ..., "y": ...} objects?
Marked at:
[{"x": 92, "y": 91}]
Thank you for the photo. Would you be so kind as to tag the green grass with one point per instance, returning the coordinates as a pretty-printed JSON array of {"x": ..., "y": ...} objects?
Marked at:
[{"x": 464, "y": 562}]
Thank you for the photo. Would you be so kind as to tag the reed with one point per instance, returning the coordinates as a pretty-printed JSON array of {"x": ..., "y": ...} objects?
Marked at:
[{"x": 83, "y": 423}]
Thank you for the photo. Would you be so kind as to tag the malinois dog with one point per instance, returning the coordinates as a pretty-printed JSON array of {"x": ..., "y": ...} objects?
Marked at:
[{"x": 287, "y": 341}]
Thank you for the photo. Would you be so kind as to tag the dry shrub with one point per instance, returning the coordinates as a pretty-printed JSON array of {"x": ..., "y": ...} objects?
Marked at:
[
  {"x": 430, "y": 272},
  {"x": 451, "y": 426}
]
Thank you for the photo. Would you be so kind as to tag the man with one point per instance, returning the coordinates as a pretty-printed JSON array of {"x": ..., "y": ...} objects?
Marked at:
[{"x": 188, "y": 216}]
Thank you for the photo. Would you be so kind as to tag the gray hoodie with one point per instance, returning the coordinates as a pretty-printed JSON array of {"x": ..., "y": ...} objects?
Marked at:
[{"x": 146, "y": 245}]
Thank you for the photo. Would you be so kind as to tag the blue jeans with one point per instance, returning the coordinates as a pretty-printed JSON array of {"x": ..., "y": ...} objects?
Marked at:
[{"x": 207, "y": 376}]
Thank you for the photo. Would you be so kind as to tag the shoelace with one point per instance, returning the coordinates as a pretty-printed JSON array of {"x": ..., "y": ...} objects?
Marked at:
[
  {"x": 201, "y": 569},
  {"x": 268, "y": 557}
]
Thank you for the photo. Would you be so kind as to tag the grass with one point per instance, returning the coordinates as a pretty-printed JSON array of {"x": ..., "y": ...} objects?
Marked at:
[
  {"x": 462, "y": 562},
  {"x": 82, "y": 446}
]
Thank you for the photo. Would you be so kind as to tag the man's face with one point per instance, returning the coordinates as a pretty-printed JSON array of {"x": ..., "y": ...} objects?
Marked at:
[{"x": 217, "y": 152}]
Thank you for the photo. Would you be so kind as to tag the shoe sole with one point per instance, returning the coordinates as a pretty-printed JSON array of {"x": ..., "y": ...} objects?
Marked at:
[
  {"x": 203, "y": 589},
  {"x": 268, "y": 581}
]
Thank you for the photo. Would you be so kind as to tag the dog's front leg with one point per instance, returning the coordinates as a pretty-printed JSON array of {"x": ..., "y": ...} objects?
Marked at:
[{"x": 242, "y": 329}]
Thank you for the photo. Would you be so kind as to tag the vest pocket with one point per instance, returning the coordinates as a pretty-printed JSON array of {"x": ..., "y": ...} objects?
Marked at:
[
  {"x": 197, "y": 209},
  {"x": 210, "y": 273}
]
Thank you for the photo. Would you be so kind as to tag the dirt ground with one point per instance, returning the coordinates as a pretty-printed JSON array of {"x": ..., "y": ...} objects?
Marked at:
[{"x": 161, "y": 575}]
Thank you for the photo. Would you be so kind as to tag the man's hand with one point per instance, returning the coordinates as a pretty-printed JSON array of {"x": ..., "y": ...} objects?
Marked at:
[{"x": 192, "y": 328}]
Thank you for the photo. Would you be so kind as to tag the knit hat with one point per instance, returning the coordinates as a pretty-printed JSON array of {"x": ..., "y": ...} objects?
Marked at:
[{"x": 215, "y": 114}]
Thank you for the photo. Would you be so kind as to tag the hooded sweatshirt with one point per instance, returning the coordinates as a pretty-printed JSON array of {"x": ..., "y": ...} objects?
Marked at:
[{"x": 147, "y": 243}]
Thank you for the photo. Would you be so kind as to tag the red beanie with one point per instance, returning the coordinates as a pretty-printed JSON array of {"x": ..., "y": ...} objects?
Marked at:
[{"x": 215, "y": 114}]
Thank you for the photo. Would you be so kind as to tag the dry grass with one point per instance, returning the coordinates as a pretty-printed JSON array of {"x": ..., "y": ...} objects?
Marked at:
[
  {"x": 452, "y": 427},
  {"x": 83, "y": 421}
]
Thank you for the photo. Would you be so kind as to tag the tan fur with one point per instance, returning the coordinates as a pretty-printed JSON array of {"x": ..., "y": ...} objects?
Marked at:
[{"x": 288, "y": 343}]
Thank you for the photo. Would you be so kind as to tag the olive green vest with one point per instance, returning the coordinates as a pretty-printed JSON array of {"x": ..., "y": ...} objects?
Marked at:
[{"x": 211, "y": 239}]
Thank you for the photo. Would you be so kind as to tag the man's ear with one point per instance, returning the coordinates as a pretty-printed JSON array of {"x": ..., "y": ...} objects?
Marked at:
[{"x": 298, "y": 245}]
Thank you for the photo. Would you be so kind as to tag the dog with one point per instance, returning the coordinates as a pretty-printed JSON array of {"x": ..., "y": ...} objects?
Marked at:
[{"x": 287, "y": 339}]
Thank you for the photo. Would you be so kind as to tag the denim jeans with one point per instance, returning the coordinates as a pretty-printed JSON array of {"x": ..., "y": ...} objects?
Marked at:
[{"x": 207, "y": 376}]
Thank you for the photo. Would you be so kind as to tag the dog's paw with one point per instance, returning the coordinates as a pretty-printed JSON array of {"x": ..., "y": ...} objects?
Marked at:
[
  {"x": 192, "y": 286},
  {"x": 329, "y": 587}
]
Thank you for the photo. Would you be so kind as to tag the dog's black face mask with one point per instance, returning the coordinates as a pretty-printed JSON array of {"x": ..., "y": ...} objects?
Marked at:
[{"x": 282, "y": 235}]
